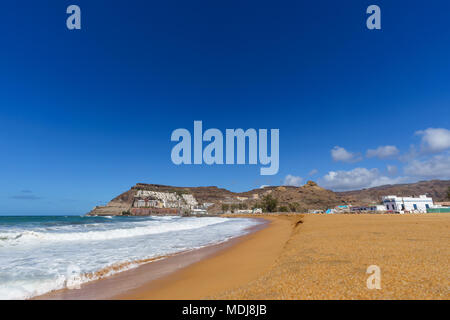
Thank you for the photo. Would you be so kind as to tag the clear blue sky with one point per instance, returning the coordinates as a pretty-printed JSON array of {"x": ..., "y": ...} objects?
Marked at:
[{"x": 86, "y": 114}]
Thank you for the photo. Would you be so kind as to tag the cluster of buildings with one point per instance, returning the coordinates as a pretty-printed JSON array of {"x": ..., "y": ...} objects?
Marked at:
[
  {"x": 395, "y": 204},
  {"x": 154, "y": 202},
  {"x": 248, "y": 211}
]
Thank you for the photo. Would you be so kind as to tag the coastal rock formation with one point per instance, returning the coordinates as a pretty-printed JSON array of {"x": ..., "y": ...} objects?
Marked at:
[{"x": 113, "y": 208}]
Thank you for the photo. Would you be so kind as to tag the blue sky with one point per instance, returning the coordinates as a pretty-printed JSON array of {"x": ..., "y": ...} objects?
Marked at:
[{"x": 86, "y": 114}]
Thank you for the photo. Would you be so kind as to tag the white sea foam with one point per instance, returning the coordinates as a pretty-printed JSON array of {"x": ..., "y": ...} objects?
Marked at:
[
  {"x": 150, "y": 228},
  {"x": 35, "y": 255}
]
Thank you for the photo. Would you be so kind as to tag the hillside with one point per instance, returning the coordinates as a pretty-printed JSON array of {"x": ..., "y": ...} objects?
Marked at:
[{"x": 309, "y": 196}]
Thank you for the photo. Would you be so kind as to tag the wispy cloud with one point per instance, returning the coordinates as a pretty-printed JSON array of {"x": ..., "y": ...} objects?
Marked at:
[
  {"x": 340, "y": 154},
  {"x": 392, "y": 170},
  {"x": 383, "y": 152},
  {"x": 357, "y": 178},
  {"x": 25, "y": 195},
  {"x": 436, "y": 167}
]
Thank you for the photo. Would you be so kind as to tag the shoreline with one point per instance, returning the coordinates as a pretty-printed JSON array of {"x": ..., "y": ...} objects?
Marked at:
[
  {"x": 117, "y": 285},
  {"x": 236, "y": 265}
]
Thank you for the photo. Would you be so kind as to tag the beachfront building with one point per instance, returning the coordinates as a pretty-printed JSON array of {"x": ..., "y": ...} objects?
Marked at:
[
  {"x": 198, "y": 211},
  {"x": 340, "y": 209},
  {"x": 408, "y": 204},
  {"x": 369, "y": 208},
  {"x": 244, "y": 211}
]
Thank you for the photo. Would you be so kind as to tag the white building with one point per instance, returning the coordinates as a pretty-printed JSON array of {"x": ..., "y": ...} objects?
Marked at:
[
  {"x": 407, "y": 204},
  {"x": 198, "y": 211},
  {"x": 244, "y": 211}
]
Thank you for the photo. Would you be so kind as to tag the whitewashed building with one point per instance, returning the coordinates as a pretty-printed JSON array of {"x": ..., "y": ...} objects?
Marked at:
[
  {"x": 244, "y": 211},
  {"x": 407, "y": 204},
  {"x": 198, "y": 211}
]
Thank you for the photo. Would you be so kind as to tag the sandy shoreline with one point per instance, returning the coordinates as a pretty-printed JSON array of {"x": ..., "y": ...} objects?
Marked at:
[
  {"x": 242, "y": 262},
  {"x": 299, "y": 257},
  {"x": 117, "y": 285}
]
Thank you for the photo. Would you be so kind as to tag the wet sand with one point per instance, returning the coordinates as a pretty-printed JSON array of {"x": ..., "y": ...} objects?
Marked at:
[
  {"x": 243, "y": 262},
  {"x": 124, "y": 283}
]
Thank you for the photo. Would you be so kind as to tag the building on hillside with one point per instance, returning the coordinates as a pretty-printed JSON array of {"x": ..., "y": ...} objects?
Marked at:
[
  {"x": 190, "y": 200},
  {"x": 207, "y": 204},
  {"x": 408, "y": 204},
  {"x": 147, "y": 203},
  {"x": 169, "y": 200},
  {"x": 257, "y": 210}
]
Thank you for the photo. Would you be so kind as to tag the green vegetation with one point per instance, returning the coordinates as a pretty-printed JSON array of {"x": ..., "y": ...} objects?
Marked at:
[
  {"x": 293, "y": 206},
  {"x": 269, "y": 204},
  {"x": 242, "y": 206},
  {"x": 225, "y": 207},
  {"x": 185, "y": 213},
  {"x": 257, "y": 205},
  {"x": 126, "y": 213},
  {"x": 283, "y": 209},
  {"x": 448, "y": 193}
]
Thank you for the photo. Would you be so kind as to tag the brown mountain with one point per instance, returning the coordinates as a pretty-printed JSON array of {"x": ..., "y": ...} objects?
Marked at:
[{"x": 309, "y": 196}]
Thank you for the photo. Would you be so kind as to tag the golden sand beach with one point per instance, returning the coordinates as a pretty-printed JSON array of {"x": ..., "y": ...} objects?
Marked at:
[
  {"x": 321, "y": 257},
  {"x": 299, "y": 257}
]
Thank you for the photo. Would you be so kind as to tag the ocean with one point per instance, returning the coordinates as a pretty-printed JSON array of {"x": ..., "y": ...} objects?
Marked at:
[{"x": 45, "y": 253}]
